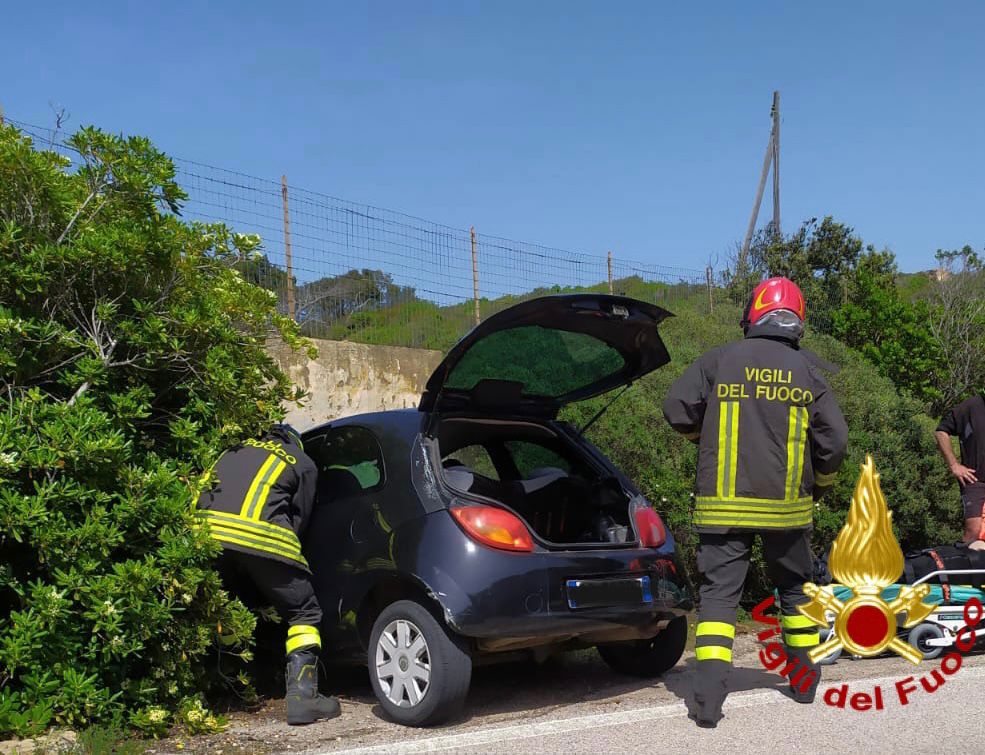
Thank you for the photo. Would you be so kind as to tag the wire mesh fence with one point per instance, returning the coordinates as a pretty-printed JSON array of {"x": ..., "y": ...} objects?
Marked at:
[{"x": 350, "y": 271}]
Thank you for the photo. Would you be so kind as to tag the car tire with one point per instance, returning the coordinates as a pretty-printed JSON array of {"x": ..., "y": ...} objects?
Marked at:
[
  {"x": 419, "y": 670},
  {"x": 920, "y": 634},
  {"x": 648, "y": 658}
]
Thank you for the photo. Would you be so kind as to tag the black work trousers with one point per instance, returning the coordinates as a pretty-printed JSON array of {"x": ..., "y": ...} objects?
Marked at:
[
  {"x": 723, "y": 560},
  {"x": 259, "y": 581}
]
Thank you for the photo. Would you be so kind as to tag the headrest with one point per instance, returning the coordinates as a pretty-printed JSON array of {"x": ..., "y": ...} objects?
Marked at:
[{"x": 460, "y": 478}]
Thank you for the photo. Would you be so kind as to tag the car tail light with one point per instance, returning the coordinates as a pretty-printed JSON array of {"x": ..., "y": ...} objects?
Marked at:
[
  {"x": 494, "y": 527},
  {"x": 649, "y": 526}
]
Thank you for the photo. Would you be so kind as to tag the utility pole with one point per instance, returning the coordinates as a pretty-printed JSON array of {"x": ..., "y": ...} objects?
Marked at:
[
  {"x": 772, "y": 157},
  {"x": 475, "y": 275},
  {"x": 610, "y": 272},
  {"x": 776, "y": 162},
  {"x": 287, "y": 249}
]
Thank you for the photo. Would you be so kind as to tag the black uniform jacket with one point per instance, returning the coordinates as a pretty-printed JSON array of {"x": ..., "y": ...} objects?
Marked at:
[
  {"x": 771, "y": 436},
  {"x": 260, "y": 498}
]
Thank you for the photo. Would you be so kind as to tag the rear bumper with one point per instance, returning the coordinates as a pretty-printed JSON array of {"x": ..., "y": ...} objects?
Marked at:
[{"x": 490, "y": 594}]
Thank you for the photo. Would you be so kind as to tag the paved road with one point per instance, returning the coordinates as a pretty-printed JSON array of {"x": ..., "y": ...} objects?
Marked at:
[
  {"x": 755, "y": 722},
  {"x": 575, "y": 704}
]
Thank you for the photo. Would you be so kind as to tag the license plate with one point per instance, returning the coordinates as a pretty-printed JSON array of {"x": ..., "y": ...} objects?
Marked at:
[{"x": 602, "y": 593}]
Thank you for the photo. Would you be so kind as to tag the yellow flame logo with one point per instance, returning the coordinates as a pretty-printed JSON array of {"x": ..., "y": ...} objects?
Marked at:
[
  {"x": 865, "y": 552},
  {"x": 866, "y": 557}
]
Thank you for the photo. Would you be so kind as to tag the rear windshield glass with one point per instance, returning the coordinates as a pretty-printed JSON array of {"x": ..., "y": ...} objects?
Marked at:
[{"x": 546, "y": 361}]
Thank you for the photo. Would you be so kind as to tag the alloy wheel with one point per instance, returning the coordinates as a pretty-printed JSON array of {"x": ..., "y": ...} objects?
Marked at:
[{"x": 403, "y": 663}]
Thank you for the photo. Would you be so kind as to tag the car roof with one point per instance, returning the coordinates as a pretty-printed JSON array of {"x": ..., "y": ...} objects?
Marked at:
[{"x": 404, "y": 421}]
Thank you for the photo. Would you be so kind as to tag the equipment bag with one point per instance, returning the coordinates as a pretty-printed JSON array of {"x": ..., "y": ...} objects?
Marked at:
[{"x": 949, "y": 557}]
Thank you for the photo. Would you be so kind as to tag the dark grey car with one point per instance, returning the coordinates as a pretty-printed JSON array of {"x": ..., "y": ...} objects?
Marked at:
[{"x": 479, "y": 526}]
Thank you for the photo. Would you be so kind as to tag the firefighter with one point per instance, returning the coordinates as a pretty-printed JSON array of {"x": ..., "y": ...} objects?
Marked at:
[
  {"x": 771, "y": 439},
  {"x": 257, "y": 507}
]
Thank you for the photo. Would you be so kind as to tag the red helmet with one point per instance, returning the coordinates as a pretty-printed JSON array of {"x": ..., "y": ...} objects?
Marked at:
[{"x": 774, "y": 294}]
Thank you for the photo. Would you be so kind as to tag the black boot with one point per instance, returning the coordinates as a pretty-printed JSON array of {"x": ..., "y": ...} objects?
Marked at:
[
  {"x": 710, "y": 691},
  {"x": 304, "y": 704},
  {"x": 805, "y": 677}
]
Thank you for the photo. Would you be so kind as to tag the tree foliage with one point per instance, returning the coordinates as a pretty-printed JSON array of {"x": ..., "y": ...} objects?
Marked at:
[
  {"x": 821, "y": 257},
  {"x": 131, "y": 352},
  {"x": 892, "y": 331},
  {"x": 957, "y": 323}
]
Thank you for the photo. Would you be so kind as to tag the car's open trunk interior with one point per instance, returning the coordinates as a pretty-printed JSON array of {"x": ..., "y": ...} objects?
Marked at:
[{"x": 564, "y": 496}]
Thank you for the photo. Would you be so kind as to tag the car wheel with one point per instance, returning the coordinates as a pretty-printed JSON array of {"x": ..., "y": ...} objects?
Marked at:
[
  {"x": 651, "y": 657},
  {"x": 419, "y": 670},
  {"x": 919, "y": 636}
]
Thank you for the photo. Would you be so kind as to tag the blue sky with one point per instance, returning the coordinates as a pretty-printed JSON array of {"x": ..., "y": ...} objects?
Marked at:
[{"x": 637, "y": 127}]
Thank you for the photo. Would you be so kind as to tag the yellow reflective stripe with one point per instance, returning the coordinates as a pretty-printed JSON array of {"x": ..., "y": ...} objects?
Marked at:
[
  {"x": 723, "y": 409},
  {"x": 736, "y": 520},
  {"x": 769, "y": 501},
  {"x": 284, "y": 545},
  {"x": 734, "y": 451},
  {"x": 796, "y": 622},
  {"x": 717, "y": 628},
  {"x": 794, "y": 516},
  {"x": 257, "y": 479},
  {"x": 263, "y": 529},
  {"x": 306, "y": 640},
  {"x": 713, "y": 653},
  {"x": 753, "y": 512},
  {"x": 221, "y": 532},
  {"x": 791, "y": 441},
  {"x": 257, "y": 546},
  {"x": 796, "y": 440},
  {"x": 756, "y": 508},
  {"x": 302, "y": 629},
  {"x": 264, "y": 490},
  {"x": 802, "y": 640},
  {"x": 825, "y": 480}
]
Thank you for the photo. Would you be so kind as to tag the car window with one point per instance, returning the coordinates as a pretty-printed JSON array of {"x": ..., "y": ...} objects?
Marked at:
[
  {"x": 546, "y": 361},
  {"x": 475, "y": 458},
  {"x": 349, "y": 460},
  {"x": 530, "y": 457}
]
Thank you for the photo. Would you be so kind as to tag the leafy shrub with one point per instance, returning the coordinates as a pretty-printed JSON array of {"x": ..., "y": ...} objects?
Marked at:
[{"x": 131, "y": 353}]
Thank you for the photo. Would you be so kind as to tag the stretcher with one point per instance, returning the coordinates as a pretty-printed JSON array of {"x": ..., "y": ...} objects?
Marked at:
[{"x": 940, "y": 629}]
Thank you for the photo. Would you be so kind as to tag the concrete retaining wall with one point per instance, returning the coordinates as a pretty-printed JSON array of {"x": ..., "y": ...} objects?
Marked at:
[{"x": 352, "y": 378}]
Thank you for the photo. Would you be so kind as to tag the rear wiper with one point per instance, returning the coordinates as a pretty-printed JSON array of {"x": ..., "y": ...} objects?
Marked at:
[{"x": 604, "y": 409}]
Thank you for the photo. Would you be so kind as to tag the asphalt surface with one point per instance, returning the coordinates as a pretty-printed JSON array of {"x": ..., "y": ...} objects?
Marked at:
[{"x": 576, "y": 704}]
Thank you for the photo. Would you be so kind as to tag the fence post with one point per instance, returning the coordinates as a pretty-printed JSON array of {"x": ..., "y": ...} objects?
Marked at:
[
  {"x": 711, "y": 291},
  {"x": 475, "y": 275},
  {"x": 610, "y": 271},
  {"x": 287, "y": 249}
]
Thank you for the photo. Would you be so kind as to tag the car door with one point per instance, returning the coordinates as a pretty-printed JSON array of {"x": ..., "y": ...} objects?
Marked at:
[{"x": 347, "y": 538}]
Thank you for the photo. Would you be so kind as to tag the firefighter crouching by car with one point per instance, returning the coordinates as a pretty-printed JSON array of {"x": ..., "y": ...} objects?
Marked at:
[
  {"x": 258, "y": 505},
  {"x": 771, "y": 440}
]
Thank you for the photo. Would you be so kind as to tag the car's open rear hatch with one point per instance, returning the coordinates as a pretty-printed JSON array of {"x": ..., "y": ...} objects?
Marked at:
[{"x": 535, "y": 357}]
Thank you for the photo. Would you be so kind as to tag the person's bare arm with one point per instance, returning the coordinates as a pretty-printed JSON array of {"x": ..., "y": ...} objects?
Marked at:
[{"x": 965, "y": 475}]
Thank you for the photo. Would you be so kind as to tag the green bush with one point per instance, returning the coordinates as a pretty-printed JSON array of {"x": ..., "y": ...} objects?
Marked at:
[{"x": 131, "y": 353}]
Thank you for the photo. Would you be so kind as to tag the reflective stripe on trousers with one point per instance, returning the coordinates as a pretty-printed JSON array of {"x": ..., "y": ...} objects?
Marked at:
[
  {"x": 713, "y": 641},
  {"x": 302, "y": 636},
  {"x": 799, "y": 631}
]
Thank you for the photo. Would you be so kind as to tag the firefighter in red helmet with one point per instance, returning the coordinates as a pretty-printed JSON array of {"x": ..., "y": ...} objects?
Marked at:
[{"x": 771, "y": 440}]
